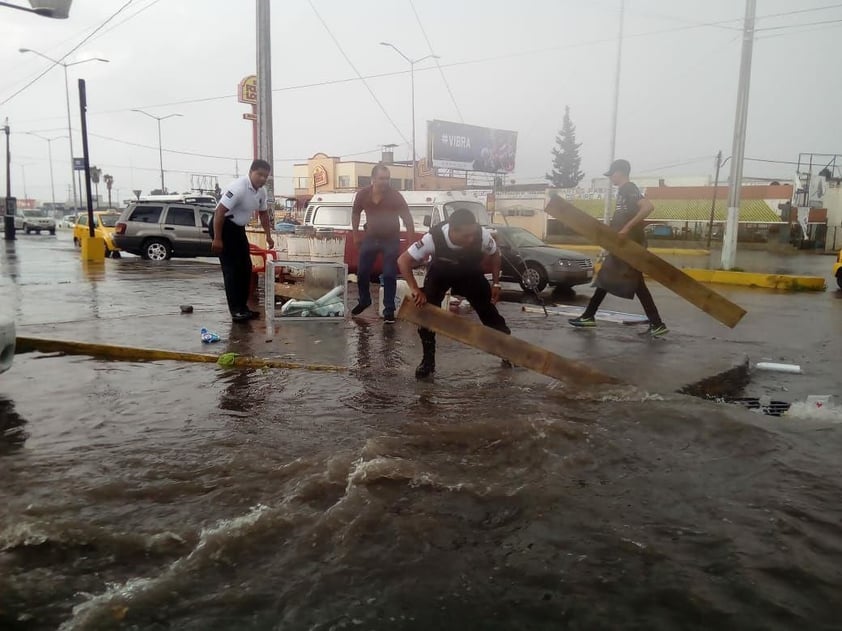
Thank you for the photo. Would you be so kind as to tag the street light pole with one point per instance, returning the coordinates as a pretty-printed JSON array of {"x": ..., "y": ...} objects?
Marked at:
[
  {"x": 729, "y": 239},
  {"x": 610, "y": 192},
  {"x": 8, "y": 219},
  {"x": 56, "y": 62},
  {"x": 50, "y": 154},
  {"x": 160, "y": 149},
  {"x": 411, "y": 63}
]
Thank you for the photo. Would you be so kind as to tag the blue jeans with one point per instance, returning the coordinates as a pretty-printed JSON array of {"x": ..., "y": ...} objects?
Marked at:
[{"x": 390, "y": 248}]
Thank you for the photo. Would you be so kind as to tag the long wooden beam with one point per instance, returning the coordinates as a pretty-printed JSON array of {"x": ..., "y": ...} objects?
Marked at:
[
  {"x": 640, "y": 258},
  {"x": 517, "y": 351},
  {"x": 132, "y": 353}
]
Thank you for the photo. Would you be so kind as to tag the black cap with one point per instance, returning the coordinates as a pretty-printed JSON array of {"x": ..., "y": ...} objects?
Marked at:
[{"x": 619, "y": 166}]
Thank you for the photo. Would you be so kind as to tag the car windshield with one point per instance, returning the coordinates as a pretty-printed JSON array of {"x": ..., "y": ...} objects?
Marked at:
[
  {"x": 34, "y": 213},
  {"x": 520, "y": 238},
  {"x": 108, "y": 221},
  {"x": 476, "y": 208}
]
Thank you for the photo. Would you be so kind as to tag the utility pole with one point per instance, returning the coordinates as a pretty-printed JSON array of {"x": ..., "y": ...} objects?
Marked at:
[
  {"x": 610, "y": 191},
  {"x": 729, "y": 240},
  {"x": 9, "y": 210},
  {"x": 264, "y": 96}
]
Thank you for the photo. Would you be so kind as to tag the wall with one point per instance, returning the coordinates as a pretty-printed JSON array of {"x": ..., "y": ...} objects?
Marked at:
[{"x": 833, "y": 203}]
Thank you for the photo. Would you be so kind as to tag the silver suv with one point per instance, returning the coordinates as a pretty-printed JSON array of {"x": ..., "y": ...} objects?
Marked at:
[
  {"x": 159, "y": 231},
  {"x": 34, "y": 221}
]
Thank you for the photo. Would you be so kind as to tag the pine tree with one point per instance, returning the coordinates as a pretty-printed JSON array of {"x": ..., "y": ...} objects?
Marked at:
[{"x": 566, "y": 159}]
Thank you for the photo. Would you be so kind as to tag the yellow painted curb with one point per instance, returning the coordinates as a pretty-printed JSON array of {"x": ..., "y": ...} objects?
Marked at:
[
  {"x": 750, "y": 279},
  {"x": 658, "y": 251},
  {"x": 129, "y": 353}
]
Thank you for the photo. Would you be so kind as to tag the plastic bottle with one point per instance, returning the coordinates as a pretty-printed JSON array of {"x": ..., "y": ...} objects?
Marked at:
[{"x": 208, "y": 337}]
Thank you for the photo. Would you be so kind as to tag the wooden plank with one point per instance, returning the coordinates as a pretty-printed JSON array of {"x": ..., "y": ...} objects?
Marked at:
[
  {"x": 131, "y": 353},
  {"x": 517, "y": 351},
  {"x": 636, "y": 255}
]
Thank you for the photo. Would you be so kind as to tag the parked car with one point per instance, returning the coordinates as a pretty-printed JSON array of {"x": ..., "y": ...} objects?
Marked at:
[
  {"x": 837, "y": 269},
  {"x": 534, "y": 264},
  {"x": 160, "y": 231},
  {"x": 658, "y": 231},
  {"x": 332, "y": 212},
  {"x": 67, "y": 222},
  {"x": 105, "y": 223},
  {"x": 34, "y": 221},
  {"x": 7, "y": 343}
]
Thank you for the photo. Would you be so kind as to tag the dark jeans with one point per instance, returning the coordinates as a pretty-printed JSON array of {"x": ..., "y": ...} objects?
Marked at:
[
  {"x": 472, "y": 286},
  {"x": 236, "y": 265},
  {"x": 642, "y": 293},
  {"x": 390, "y": 248}
]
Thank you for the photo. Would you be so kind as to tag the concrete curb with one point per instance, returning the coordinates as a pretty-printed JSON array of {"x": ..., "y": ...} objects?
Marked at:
[{"x": 751, "y": 279}]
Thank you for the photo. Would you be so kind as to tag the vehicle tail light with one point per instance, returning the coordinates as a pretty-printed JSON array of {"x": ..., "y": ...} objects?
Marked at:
[{"x": 120, "y": 228}]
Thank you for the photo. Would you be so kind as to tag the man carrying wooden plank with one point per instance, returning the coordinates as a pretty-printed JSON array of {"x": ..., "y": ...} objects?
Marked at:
[
  {"x": 456, "y": 250},
  {"x": 616, "y": 276}
]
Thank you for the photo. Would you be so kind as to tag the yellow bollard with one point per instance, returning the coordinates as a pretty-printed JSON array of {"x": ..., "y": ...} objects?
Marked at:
[{"x": 93, "y": 249}]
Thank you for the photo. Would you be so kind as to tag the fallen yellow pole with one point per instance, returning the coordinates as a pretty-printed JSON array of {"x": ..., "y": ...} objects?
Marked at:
[
  {"x": 517, "y": 351},
  {"x": 133, "y": 353},
  {"x": 638, "y": 257}
]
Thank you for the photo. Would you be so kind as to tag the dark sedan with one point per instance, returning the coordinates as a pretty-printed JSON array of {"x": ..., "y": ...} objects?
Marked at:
[{"x": 534, "y": 264}]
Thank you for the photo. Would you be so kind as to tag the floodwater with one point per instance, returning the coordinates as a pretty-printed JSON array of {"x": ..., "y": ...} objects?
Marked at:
[{"x": 162, "y": 496}]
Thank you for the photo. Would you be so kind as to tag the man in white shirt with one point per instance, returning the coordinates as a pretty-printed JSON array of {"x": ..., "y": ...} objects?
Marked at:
[
  {"x": 236, "y": 207},
  {"x": 456, "y": 250}
]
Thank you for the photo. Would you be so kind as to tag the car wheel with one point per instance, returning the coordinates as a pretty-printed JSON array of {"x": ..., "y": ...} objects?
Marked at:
[
  {"x": 534, "y": 278},
  {"x": 53, "y": 232},
  {"x": 839, "y": 280},
  {"x": 157, "y": 250},
  {"x": 76, "y": 243},
  {"x": 115, "y": 254}
]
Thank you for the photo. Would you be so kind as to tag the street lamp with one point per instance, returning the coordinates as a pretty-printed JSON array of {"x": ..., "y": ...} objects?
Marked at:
[
  {"x": 50, "y": 154},
  {"x": 67, "y": 94},
  {"x": 411, "y": 63},
  {"x": 58, "y": 9},
  {"x": 160, "y": 151}
]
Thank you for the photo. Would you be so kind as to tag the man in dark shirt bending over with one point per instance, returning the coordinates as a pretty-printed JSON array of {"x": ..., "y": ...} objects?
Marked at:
[{"x": 383, "y": 208}]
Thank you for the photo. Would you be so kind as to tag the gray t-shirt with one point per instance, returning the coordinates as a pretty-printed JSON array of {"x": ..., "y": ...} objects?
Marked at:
[{"x": 628, "y": 197}]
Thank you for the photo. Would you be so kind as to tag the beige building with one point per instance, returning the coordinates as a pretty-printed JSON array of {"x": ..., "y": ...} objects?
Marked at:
[{"x": 330, "y": 174}]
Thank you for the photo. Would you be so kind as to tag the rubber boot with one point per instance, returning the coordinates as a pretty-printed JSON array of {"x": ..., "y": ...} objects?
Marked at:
[{"x": 428, "y": 362}]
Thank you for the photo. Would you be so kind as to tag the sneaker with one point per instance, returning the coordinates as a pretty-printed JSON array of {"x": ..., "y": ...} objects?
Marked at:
[
  {"x": 582, "y": 322},
  {"x": 426, "y": 368},
  {"x": 360, "y": 308},
  {"x": 241, "y": 316},
  {"x": 657, "y": 330},
  {"x": 388, "y": 317}
]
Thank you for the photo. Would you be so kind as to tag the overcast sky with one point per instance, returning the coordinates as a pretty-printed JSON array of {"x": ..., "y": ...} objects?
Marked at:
[{"x": 510, "y": 65}]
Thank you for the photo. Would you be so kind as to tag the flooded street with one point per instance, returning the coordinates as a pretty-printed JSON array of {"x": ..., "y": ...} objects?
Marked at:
[{"x": 179, "y": 496}]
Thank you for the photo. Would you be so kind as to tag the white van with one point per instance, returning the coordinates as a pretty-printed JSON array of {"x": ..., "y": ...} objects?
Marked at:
[{"x": 428, "y": 208}]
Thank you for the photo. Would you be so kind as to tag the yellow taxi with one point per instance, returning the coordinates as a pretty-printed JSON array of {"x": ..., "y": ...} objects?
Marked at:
[
  {"x": 837, "y": 269},
  {"x": 104, "y": 224}
]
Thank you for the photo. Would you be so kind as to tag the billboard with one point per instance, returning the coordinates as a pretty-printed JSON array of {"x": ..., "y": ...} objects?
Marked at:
[{"x": 471, "y": 148}]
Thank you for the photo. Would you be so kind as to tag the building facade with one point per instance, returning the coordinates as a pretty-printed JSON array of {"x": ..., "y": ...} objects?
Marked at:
[{"x": 331, "y": 174}]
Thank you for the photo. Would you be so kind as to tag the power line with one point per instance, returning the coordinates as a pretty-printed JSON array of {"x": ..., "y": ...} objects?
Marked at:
[
  {"x": 359, "y": 75},
  {"x": 436, "y": 59},
  {"x": 70, "y": 52},
  {"x": 789, "y": 26}
]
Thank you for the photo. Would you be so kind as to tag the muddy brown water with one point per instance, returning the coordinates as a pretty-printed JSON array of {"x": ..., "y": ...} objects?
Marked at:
[{"x": 161, "y": 496}]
